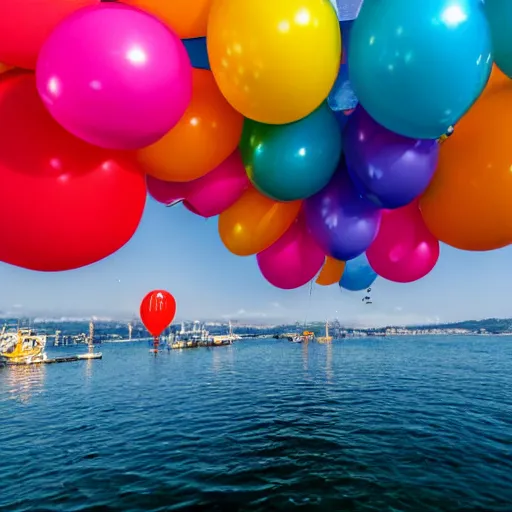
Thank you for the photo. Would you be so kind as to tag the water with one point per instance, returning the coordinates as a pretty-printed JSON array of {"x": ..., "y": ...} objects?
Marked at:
[{"x": 417, "y": 424}]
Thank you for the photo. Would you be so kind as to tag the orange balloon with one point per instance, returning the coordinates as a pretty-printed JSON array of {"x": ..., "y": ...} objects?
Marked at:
[
  {"x": 4, "y": 68},
  {"x": 496, "y": 79},
  {"x": 186, "y": 17},
  {"x": 205, "y": 136},
  {"x": 468, "y": 204},
  {"x": 255, "y": 222},
  {"x": 331, "y": 272}
]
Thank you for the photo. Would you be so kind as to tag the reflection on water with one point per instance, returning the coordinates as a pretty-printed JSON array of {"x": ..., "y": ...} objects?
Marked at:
[
  {"x": 24, "y": 381},
  {"x": 409, "y": 425},
  {"x": 328, "y": 362}
]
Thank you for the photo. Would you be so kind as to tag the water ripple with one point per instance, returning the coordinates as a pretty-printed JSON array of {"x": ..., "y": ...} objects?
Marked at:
[{"x": 400, "y": 424}]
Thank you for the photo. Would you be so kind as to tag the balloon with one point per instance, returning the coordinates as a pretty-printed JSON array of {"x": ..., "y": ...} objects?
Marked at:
[
  {"x": 205, "y": 136},
  {"x": 4, "y": 68},
  {"x": 497, "y": 79},
  {"x": 197, "y": 52},
  {"x": 157, "y": 311},
  {"x": 255, "y": 222},
  {"x": 65, "y": 203},
  {"x": 396, "y": 70},
  {"x": 358, "y": 274},
  {"x": 388, "y": 169},
  {"x": 275, "y": 62},
  {"x": 342, "y": 96},
  {"x": 292, "y": 161},
  {"x": 293, "y": 260},
  {"x": 404, "y": 250},
  {"x": 209, "y": 195},
  {"x": 499, "y": 17},
  {"x": 187, "y": 18},
  {"x": 331, "y": 272},
  {"x": 468, "y": 202},
  {"x": 123, "y": 87},
  {"x": 342, "y": 222},
  {"x": 26, "y": 24}
]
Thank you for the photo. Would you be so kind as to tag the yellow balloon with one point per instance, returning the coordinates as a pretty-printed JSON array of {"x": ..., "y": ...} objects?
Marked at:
[{"x": 275, "y": 61}]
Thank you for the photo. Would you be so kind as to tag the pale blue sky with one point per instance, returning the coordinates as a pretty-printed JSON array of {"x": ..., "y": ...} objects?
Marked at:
[{"x": 175, "y": 250}]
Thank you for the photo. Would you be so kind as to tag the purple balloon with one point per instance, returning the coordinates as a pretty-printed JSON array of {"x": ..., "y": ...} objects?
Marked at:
[
  {"x": 388, "y": 169},
  {"x": 341, "y": 221}
]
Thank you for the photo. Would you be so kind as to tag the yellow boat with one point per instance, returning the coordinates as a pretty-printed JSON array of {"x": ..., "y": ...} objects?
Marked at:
[{"x": 22, "y": 347}]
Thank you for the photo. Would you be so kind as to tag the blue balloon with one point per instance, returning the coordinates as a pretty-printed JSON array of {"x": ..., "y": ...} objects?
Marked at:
[
  {"x": 197, "y": 53},
  {"x": 417, "y": 66},
  {"x": 358, "y": 275},
  {"x": 499, "y": 15},
  {"x": 292, "y": 161},
  {"x": 342, "y": 96}
]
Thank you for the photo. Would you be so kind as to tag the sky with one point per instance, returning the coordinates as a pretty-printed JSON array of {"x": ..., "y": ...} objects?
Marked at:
[{"x": 178, "y": 251}]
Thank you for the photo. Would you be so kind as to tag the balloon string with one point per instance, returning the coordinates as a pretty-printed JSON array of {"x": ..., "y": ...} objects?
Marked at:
[{"x": 309, "y": 302}]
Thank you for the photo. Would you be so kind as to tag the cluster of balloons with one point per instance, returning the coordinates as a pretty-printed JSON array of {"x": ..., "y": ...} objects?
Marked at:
[{"x": 324, "y": 162}]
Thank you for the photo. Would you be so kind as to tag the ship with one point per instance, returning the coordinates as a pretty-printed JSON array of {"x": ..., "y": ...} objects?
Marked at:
[
  {"x": 22, "y": 347},
  {"x": 198, "y": 336}
]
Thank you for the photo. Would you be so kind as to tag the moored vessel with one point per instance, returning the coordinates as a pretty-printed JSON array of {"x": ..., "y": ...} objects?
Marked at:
[{"x": 22, "y": 347}]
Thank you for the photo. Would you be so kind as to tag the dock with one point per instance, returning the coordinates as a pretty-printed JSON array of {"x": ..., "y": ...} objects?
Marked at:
[{"x": 62, "y": 359}]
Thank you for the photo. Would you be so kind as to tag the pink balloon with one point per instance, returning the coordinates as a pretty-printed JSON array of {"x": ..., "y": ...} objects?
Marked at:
[
  {"x": 404, "y": 250},
  {"x": 114, "y": 76},
  {"x": 209, "y": 195},
  {"x": 293, "y": 260}
]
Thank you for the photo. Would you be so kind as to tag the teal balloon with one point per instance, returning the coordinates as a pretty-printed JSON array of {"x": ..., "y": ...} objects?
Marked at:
[
  {"x": 292, "y": 161},
  {"x": 417, "y": 66},
  {"x": 499, "y": 15}
]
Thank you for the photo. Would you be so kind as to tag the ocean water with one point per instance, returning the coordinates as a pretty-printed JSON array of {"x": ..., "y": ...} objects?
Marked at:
[{"x": 395, "y": 424}]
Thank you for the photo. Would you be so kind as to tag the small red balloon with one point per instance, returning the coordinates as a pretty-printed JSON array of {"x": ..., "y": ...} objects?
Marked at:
[
  {"x": 157, "y": 311},
  {"x": 65, "y": 203}
]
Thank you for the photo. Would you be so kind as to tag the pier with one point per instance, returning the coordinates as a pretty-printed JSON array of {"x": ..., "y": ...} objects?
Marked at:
[{"x": 55, "y": 360}]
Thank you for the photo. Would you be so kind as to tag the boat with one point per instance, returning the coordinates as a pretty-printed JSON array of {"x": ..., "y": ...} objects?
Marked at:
[
  {"x": 304, "y": 337},
  {"x": 326, "y": 338},
  {"x": 188, "y": 338},
  {"x": 183, "y": 344},
  {"x": 22, "y": 347}
]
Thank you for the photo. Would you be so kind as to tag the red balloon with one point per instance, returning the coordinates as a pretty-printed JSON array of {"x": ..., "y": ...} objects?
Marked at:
[
  {"x": 65, "y": 204},
  {"x": 157, "y": 311},
  {"x": 404, "y": 250},
  {"x": 26, "y": 24}
]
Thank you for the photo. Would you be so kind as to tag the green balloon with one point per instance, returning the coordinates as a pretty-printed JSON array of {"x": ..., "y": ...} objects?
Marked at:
[{"x": 292, "y": 161}]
